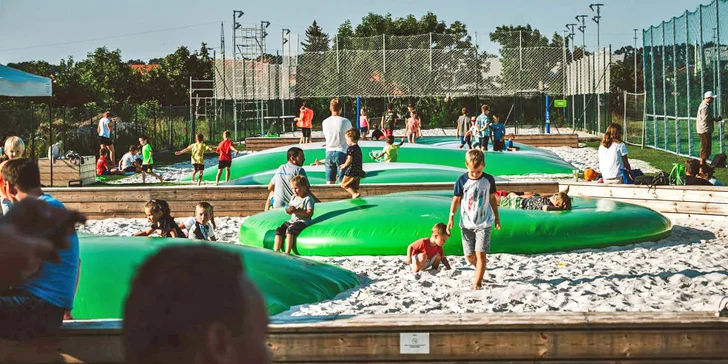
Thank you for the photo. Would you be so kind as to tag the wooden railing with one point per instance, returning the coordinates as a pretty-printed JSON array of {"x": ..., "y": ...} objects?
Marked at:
[
  {"x": 111, "y": 202},
  {"x": 597, "y": 337}
]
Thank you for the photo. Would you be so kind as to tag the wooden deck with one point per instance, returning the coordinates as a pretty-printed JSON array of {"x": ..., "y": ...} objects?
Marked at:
[
  {"x": 125, "y": 202},
  {"x": 695, "y": 202},
  {"x": 616, "y": 337},
  {"x": 536, "y": 140}
]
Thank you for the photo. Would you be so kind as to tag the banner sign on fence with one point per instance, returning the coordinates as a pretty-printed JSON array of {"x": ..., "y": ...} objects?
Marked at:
[{"x": 560, "y": 103}]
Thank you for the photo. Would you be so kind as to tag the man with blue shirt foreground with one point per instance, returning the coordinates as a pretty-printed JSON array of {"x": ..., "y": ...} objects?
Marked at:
[{"x": 36, "y": 306}]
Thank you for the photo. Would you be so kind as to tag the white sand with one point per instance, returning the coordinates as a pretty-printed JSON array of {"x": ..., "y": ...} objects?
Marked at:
[
  {"x": 681, "y": 273},
  {"x": 172, "y": 173}
]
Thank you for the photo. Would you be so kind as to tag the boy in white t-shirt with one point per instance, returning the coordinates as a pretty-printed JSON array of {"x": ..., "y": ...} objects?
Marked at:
[
  {"x": 129, "y": 162},
  {"x": 202, "y": 225}
]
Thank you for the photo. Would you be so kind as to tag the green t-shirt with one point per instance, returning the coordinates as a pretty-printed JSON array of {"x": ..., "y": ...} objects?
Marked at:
[
  {"x": 391, "y": 152},
  {"x": 147, "y": 154}
]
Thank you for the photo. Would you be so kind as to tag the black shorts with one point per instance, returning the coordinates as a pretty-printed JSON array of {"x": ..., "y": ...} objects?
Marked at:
[
  {"x": 139, "y": 161},
  {"x": 198, "y": 166},
  {"x": 223, "y": 164},
  {"x": 130, "y": 169},
  {"x": 148, "y": 168},
  {"x": 364, "y": 131},
  {"x": 499, "y": 146},
  {"x": 306, "y": 132},
  {"x": 105, "y": 140},
  {"x": 293, "y": 228},
  {"x": 24, "y": 316}
]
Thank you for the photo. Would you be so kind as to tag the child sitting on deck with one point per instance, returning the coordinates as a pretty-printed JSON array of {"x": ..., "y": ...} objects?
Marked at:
[
  {"x": 427, "y": 252},
  {"x": 529, "y": 201},
  {"x": 509, "y": 144},
  {"x": 197, "y": 149},
  {"x": 389, "y": 153},
  {"x": 202, "y": 225},
  {"x": 159, "y": 215},
  {"x": 301, "y": 210}
]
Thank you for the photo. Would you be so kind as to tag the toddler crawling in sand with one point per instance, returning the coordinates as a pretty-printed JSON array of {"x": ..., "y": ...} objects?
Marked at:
[
  {"x": 426, "y": 253},
  {"x": 159, "y": 215}
]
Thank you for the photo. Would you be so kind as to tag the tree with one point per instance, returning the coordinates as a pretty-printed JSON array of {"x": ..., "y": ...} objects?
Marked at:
[
  {"x": 316, "y": 40},
  {"x": 530, "y": 62}
]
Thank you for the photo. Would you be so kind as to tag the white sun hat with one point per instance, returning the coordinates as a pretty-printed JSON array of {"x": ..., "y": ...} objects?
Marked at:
[{"x": 709, "y": 94}]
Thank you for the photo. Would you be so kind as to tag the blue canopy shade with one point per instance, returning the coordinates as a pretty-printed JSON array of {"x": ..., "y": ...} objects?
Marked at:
[{"x": 17, "y": 83}]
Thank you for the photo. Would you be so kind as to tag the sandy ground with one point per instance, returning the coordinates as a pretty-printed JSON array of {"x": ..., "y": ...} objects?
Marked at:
[{"x": 684, "y": 272}]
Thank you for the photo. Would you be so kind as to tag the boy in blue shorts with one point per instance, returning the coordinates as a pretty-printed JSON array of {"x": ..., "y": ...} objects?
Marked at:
[{"x": 474, "y": 193}]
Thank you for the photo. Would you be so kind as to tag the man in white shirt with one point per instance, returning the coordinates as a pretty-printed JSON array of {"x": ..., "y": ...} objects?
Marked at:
[
  {"x": 104, "y": 130},
  {"x": 704, "y": 125},
  {"x": 335, "y": 128}
]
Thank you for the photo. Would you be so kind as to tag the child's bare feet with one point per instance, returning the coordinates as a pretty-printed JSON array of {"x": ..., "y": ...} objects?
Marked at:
[{"x": 356, "y": 196}]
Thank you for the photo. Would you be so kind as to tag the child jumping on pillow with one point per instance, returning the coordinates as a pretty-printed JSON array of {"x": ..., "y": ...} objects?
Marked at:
[{"x": 427, "y": 252}]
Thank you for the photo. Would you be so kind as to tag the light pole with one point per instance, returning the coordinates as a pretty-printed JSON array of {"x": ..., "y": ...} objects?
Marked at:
[
  {"x": 236, "y": 15},
  {"x": 635, "y": 61},
  {"x": 597, "y": 18},
  {"x": 582, "y": 29},
  {"x": 575, "y": 79}
]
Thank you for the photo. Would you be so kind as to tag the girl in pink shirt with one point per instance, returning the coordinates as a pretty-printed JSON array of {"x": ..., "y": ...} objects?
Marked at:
[
  {"x": 364, "y": 124},
  {"x": 413, "y": 127}
]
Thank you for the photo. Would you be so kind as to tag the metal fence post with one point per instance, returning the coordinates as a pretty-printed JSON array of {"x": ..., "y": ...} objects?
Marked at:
[
  {"x": 652, "y": 79},
  {"x": 664, "y": 90},
  {"x": 721, "y": 126},
  {"x": 674, "y": 83},
  {"x": 687, "y": 77}
]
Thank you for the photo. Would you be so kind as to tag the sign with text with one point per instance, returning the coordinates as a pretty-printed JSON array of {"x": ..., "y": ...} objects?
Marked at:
[
  {"x": 414, "y": 343},
  {"x": 560, "y": 103}
]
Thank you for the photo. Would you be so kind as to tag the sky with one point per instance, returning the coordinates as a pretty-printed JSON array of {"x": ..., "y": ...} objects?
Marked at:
[{"x": 52, "y": 30}]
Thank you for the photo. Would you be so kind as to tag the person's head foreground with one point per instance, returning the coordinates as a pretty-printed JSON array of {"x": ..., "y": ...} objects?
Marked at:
[
  {"x": 475, "y": 162},
  {"x": 335, "y": 106},
  {"x": 194, "y": 304},
  {"x": 296, "y": 156},
  {"x": 21, "y": 177},
  {"x": 300, "y": 185},
  {"x": 439, "y": 234},
  {"x": 14, "y": 147},
  {"x": 143, "y": 140},
  {"x": 390, "y": 139}
]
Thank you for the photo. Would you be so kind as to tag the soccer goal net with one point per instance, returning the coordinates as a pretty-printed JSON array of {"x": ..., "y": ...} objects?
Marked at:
[{"x": 634, "y": 118}]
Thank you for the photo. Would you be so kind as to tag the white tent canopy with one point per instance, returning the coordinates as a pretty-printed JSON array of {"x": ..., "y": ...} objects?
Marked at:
[{"x": 17, "y": 83}]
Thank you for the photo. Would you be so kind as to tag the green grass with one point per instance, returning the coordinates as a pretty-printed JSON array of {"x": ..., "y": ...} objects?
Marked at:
[{"x": 661, "y": 160}]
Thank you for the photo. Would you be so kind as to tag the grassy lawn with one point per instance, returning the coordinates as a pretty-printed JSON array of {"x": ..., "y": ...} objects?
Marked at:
[{"x": 662, "y": 160}]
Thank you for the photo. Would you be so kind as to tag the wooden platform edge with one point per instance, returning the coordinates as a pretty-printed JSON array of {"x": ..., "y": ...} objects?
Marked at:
[{"x": 548, "y": 338}]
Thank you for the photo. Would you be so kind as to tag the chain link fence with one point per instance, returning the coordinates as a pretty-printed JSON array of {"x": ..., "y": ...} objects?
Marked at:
[{"x": 685, "y": 57}]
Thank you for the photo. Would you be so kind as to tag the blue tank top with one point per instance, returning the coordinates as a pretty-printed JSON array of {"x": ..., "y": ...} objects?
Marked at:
[{"x": 55, "y": 283}]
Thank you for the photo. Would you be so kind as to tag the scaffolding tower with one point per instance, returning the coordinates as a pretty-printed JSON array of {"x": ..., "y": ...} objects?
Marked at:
[{"x": 249, "y": 81}]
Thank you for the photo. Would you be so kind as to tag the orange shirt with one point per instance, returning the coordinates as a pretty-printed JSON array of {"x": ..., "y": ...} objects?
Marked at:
[
  {"x": 305, "y": 120},
  {"x": 2, "y": 182}
]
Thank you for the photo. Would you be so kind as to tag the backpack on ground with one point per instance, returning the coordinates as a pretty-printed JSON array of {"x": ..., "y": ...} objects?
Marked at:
[
  {"x": 659, "y": 179},
  {"x": 719, "y": 161}
]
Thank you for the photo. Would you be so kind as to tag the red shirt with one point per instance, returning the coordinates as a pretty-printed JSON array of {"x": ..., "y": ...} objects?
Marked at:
[
  {"x": 305, "y": 119},
  {"x": 223, "y": 149},
  {"x": 101, "y": 165},
  {"x": 425, "y": 246}
]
